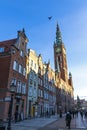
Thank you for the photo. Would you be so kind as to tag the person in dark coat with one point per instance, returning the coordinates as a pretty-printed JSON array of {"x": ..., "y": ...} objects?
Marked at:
[
  {"x": 16, "y": 116},
  {"x": 68, "y": 119}
]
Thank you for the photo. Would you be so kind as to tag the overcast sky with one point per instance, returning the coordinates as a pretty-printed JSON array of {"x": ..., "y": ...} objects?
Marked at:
[{"x": 32, "y": 15}]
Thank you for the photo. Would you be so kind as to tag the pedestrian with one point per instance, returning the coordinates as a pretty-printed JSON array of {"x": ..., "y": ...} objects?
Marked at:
[
  {"x": 68, "y": 119},
  {"x": 60, "y": 113},
  {"x": 52, "y": 112},
  {"x": 16, "y": 116},
  {"x": 73, "y": 112},
  {"x": 47, "y": 112},
  {"x": 81, "y": 113},
  {"x": 22, "y": 115},
  {"x": 86, "y": 114}
]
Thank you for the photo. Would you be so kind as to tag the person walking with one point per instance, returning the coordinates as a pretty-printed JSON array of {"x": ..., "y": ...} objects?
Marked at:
[
  {"x": 16, "y": 116},
  {"x": 68, "y": 119},
  {"x": 81, "y": 113}
]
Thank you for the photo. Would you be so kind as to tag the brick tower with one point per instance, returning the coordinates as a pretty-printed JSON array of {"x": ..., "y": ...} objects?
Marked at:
[{"x": 60, "y": 61}]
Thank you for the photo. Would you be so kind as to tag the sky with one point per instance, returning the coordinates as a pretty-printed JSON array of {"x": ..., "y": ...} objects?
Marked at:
[{"x": 32, "y": 15}]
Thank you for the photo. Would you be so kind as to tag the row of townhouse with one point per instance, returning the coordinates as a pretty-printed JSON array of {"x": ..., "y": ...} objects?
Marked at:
[
  {"x": 36, "y": 89},
  {"x": 41, "y": 86}
]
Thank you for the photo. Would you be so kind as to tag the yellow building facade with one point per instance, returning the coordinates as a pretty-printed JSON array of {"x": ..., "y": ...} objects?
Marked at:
[{"x": 32, "y": 74}]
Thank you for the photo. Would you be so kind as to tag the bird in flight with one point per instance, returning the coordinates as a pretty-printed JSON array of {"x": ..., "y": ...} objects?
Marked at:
[{"x": 50, "y": 17}]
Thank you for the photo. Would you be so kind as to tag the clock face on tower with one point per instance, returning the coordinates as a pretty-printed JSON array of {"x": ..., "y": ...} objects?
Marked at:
[{"x": 58, "y": 50}]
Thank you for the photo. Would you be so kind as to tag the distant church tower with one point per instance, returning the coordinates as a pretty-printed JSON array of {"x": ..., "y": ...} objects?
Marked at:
[{"x": 60, "y": 61}]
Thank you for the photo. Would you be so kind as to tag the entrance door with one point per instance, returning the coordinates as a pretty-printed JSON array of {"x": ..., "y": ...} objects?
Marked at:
[{"x": 33, "y": 111}]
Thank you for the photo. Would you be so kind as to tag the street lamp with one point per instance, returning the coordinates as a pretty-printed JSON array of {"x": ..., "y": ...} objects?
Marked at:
[
  {"x": 65, "y": 105},
  {"x": 12, "y": 90}
]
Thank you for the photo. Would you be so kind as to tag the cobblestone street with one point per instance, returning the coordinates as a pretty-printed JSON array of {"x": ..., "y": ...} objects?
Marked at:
[{"x": 52, "y": 123}]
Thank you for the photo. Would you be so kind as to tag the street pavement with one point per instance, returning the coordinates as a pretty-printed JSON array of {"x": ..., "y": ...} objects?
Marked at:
[
  {"x": 33, "y": 124},
  {"x": 60, "y": 124},
  {"x": 52, "y": 123}
]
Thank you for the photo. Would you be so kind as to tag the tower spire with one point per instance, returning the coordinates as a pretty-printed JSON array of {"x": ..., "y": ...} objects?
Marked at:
[{"x": 58, "y": 35}]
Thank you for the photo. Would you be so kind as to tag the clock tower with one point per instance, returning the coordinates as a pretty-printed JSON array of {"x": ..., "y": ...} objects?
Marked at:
[{"x": 60, "y": 61}]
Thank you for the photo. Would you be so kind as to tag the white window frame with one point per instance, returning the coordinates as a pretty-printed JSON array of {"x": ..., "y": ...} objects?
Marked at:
[
  {"x": 24, "y": 88},
  {"x": 24, "y": 71},
  {"x": 19, "y": 87},
  {"x": 13, "y": 82},
  {"x": 20, "y": 69},
  {"x": 30, "y": 93},
  {"x": 1, "y": 49},
  {"x": 15, "y": 65},
  {"x": 21, "y": 53}
]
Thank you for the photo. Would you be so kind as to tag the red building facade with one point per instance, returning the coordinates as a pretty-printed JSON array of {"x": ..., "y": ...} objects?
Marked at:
[{"x": 13, "y": 55}]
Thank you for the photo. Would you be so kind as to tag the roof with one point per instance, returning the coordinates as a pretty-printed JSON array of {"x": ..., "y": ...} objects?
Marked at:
[{"x": 8, "y": 42}]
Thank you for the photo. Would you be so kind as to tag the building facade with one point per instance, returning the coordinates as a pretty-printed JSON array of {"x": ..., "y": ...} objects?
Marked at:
[
  {"x": 38, "y": 90},
  {"x": 65, "y": 90},
  {"x": 52, "y": 90},
  {"x": 32, "y": 77},
  {"x": 13, "y": 80}
]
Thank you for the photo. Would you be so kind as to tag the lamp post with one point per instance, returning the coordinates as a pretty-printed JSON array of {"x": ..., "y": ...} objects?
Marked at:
[
  {"x": 12, "y": 90},
  {"x": 65, "y": 105},
  {"x": 32, "y": 107}
]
